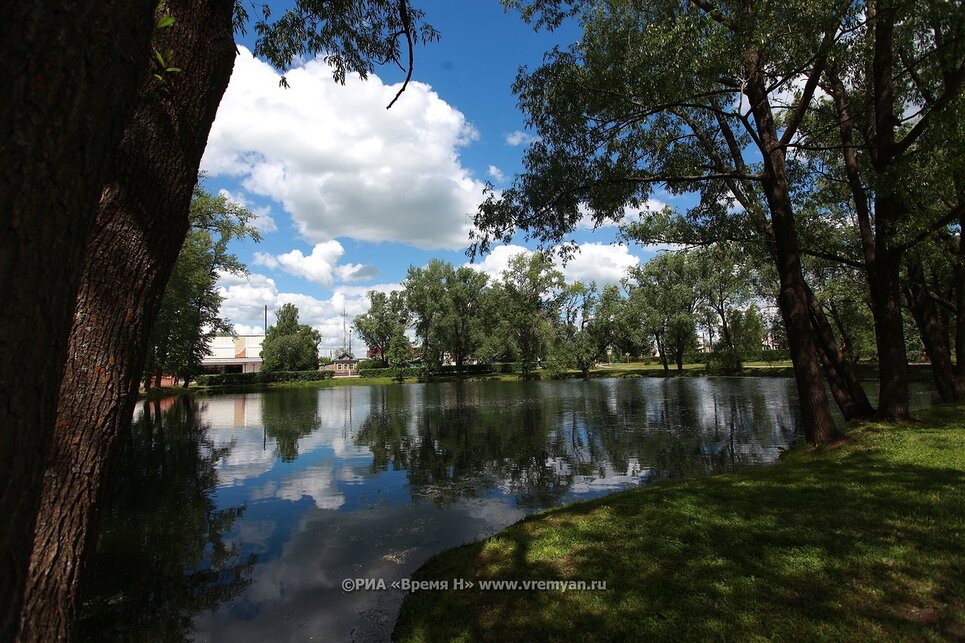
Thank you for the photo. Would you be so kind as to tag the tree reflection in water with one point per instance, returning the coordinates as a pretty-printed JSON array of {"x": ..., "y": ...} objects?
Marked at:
[
  {"x": 536, "y": 441},
  {"x": 161, "y": 556},
  {"x": 365, "y": 481},
  {"x": 287, "y": 416}
]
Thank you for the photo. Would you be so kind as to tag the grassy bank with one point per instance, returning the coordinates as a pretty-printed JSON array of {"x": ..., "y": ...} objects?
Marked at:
[
  {"x": 860, "y": 542},
  {"x": 918, "y": 373}
]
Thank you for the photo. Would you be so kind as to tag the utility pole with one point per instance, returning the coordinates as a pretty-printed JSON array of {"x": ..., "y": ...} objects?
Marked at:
[{"x": 346, "y": 337}]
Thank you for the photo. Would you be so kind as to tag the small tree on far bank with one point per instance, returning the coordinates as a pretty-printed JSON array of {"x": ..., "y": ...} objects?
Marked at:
[
  {"x": 399, "y": 348},
  {"x": 288, "y": 345}
]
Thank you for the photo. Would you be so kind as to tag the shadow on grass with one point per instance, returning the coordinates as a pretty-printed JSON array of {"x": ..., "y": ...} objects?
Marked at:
[{"x": 857, "y": 543}]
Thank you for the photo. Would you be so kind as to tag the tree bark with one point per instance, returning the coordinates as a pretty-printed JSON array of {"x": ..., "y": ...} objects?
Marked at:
[
  {"x": 881, "y": 261},
  {"x": 885, "y": 290},
  {"x": 818, "y": 423},
  {"x": 844, "y": 383},
  {"x": 932, "y": 332},
  {"x": 884, "y": 271},
  {"x": 69, "y": 76},
  {"x": 847, "y": 345},
  {"x": 959, "y": 293},
  {"x": 662, "y": 354},
  {"x": 141, "y": 224}
]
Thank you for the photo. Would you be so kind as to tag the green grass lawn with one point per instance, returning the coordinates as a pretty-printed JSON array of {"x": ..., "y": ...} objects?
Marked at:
[{"x": 861, "y": 542}]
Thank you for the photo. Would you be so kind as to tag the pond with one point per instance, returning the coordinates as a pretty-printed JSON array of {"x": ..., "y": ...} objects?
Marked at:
[{"x": 236, "y": 517}]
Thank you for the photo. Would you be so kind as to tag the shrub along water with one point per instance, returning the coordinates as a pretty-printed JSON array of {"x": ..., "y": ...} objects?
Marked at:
[{"x": 262, "y": 377}]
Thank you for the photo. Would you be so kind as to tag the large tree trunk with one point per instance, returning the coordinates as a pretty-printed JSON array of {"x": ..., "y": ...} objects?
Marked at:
[
  {"x": 842, "y": 380},
  {"x": 662, "y": 354},
  {"x": 884, "y": 270},
  {"x": 881, "y": 261},
  {"x": 70, "y": 74},
  {"x": 819, "y": 426},
  {"x": 959, "y": 293},
  {"x": 141, "y": 224},
  {"x": 933, "y": 334},
  {"x": 885, "y": 290},
  {"x": 847, "y": 344}
]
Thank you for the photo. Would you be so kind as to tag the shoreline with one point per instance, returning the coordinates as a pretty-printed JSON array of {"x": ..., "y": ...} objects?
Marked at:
[
  {"x": 860, "y": 541},
  {"x": 867, "y": 372}
]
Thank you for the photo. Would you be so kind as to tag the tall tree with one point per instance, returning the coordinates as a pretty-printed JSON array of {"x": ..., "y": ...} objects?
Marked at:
[
  {"x": 189, "y": 314},
  {"x": 462, "y": 328},
  {"x": 892, "y": 83},
  {"x": 141, "y": 224},
  {"x": 724, "y": 283},
  {"x": 682, "y": 94},
  {"x": 575, "y": 345},
  {"x": 288, "y": 345},
  {"x": 399, "y": 350},
  {"x": 530, "y": 283},
  {"x": 386, "y": 313},
  {"x": 664, "y": 296},
  {"x": 748, "y": 331},
  {"x": 425, "y": 295},
  {"x": 70, "y": 76}
]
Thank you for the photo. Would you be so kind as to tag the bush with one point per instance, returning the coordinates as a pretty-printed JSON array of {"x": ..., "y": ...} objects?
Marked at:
[
  {"x": 262, "y": 377},
  {"x": 773, "y": 356},
  {"x": 697, "y": 357},
  {"x": 724, "y": 362},
  {"x": 467, "y": 369},
  {"x": 409, "y": 371}
]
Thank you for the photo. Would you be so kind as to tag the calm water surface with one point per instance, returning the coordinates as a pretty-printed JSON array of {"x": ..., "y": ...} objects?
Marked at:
[{"x": 236, "y": 517}]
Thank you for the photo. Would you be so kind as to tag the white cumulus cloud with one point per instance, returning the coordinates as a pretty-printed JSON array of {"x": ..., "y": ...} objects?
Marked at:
[
  {"x": 496, "y": 174},
  {"x": 245, "y": 298},
  {"x": 497, "y": 261},
  {"x": 262, "y": 219},
  {"x": 340, "y": 163},
  {"x": 599, "y": 262},
  {"x": 630, "y": 215},
  {"x": 320, "y": 267},
  {"x": 519, "y": 137}
]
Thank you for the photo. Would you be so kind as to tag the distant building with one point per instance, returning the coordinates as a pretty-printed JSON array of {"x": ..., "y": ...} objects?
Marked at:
[
  {"x": 344, "y": 364},
  {"x": 241, "y": 354}
]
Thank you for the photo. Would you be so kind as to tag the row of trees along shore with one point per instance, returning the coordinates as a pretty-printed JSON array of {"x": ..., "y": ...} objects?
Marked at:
[
  {"x": 826, "y": 137},
  {"x": 531, "y": 316},
  {"x": 104, "y": 120}
]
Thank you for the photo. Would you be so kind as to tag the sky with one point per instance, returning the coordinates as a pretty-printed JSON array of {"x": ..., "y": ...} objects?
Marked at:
[{"x": 348, "y": 194}]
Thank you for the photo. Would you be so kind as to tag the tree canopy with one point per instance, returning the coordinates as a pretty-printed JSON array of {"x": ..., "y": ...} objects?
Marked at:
[
  {"x": 288, "y": 345},
  {"x": 799, "y": 140},
  {"x": 190, "y": 310}
]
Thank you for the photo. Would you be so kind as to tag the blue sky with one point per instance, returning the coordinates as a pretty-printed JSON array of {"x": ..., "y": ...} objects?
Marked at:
[{"x": 349, "y": 195}]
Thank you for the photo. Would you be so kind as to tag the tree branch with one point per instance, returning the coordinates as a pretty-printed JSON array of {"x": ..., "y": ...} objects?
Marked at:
[
  {"x": 955, "y": 81},
  {"x": 818, "y": 254},
  {"x": 714, "y": 13},
  {"x": 944, "y": 222},
  {"x": 407, "y": 29}
]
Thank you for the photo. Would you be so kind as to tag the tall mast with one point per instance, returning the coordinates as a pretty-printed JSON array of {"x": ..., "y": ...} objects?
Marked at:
[{"x": 346, "y": 338}]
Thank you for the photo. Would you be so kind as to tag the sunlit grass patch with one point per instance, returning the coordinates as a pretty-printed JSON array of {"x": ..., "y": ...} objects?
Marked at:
[{"x": 863, "y": 541}]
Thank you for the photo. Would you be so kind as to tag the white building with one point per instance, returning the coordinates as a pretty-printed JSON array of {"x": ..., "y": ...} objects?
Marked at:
[{"x": 241, "y": 354}]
